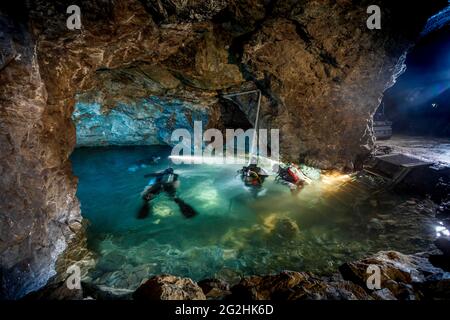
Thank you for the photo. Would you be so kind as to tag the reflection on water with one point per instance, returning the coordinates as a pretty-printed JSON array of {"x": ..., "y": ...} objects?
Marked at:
[{"x": 333, "y": 220}]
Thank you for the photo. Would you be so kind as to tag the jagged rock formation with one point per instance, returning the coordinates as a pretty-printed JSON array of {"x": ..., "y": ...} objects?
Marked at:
[
  {"x": 150, "y": 122},
  {"x": 322, "y": 74},
  {"x": 402, "y": 277},
  {"x": 167, "y": 287}
]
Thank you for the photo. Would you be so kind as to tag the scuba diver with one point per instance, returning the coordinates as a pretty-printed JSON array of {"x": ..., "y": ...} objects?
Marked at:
[
  {"x": 291, "y": 176},
  {"x": 165, "y": 181},
  {"x": 253, "y": 177},
  {"x": 150, "y": 161},
  {"x": 144, "y": 163}
]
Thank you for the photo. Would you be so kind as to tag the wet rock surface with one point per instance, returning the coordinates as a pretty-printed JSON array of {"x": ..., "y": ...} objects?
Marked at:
[
  {"x": 399, "y": 273},
  {"x": 55, "y": 291},
  {"x": 215, "y": 289},
  {"x": 312, "y": 92},
  {"x": 291, "y": 285},
  {"x": 403, "y": 277},
  {"x": 167, "y": 287},
  {"x": 149, "y": 122}
]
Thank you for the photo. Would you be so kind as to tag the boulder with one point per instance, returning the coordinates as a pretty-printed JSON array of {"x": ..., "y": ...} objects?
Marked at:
[
  {"x": 55, "y": 291},
  {"x": 290, "y": 285},
  {"x": 286, "y": 228},
  {"x": 215, "y": 289},
  {"x": 315, "y": 289},
  {"x": 383, "y": 294},
  {"x": 168, "y": 287},
  {"x": 399, "y": 272}
]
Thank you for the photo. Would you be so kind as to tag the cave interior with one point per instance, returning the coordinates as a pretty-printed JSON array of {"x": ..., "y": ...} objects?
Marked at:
[{"x": 87, "y": 116}]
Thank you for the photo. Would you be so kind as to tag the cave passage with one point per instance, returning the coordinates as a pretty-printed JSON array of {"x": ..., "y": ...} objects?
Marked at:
[
  {"x": 418, "y": 106},
  {"x": 333, "y": 220}
]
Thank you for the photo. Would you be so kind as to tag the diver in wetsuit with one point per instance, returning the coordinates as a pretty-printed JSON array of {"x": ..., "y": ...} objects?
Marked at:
[
  {"x": 290, "y": 176},
  {"x": 149, "y": 161},
  {"x": 166, "y": 181},
  {"x": 144, "y": 163},
  {"x": 253, "y": 177}
]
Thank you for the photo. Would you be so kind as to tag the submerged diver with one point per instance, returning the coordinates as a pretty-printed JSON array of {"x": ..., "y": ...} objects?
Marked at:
[
  {"x": 144, "y": 163},
  {"x": 149, "y": 161},
  {"x": 291, "y": 176},
  {"x": 168, "y": 182},
  {"x": 253, "y": 177}
]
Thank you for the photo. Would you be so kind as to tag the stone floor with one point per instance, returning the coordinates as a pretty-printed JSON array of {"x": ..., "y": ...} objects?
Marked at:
[{"x": 436, "y": 150}]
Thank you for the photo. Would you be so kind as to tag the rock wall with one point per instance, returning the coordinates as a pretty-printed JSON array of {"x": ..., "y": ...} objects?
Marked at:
[
  {"x": 39, "y": 210},
  {"x": 322, "y": 74},
  {"x": 43, "y": 66},
  {"x": 327, "y": 72},
  {"x": 147, "y": 122}
]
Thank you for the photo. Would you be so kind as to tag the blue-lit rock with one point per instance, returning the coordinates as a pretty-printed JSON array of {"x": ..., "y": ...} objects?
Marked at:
[
  {"x": 438, "y": 21},
  {"x": 148, "y": 122}
]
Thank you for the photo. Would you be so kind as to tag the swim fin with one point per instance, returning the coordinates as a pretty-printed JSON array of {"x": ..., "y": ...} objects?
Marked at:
[
  {"x": 144, "y": 211},
  {"x": 185, "y": 209}
]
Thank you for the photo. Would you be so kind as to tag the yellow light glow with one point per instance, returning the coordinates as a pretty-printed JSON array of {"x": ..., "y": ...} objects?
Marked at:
[
  {"x": 335, "y": 178},
  {"x": 269, "y": 222}
]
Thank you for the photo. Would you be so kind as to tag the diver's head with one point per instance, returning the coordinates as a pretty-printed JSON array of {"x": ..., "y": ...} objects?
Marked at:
[{"x": 169, "y": 170}]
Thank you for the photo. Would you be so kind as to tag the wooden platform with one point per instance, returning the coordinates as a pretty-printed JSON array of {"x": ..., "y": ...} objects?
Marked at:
[
  {"x": 394, "y": 167},
  {"x": 403, "y": 160}
]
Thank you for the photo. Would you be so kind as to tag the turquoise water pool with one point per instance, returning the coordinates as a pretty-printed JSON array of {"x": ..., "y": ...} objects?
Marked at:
[{"x": 333, "y": 220}]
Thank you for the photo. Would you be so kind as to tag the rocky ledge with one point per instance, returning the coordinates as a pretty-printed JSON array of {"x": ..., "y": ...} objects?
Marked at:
[{"x": 402, "y": 277}]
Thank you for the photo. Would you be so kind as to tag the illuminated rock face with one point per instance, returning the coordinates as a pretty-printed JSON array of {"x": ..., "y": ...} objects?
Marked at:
[
  {"x": 320, "y": 71},
  {"x": 148, "y": 122}
]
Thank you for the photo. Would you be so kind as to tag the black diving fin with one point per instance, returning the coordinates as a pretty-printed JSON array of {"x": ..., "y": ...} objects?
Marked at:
[
  {"x": 144, "y": 211},
  {"x": 185, "y": 209}
]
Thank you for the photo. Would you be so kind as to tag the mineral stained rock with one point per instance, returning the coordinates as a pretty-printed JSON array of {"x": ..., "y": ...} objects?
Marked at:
[
  {"x": 327, "y": 73},
  {"x": 215, "y": 289},
  {"x": 150, "y": 122},
  {"x": 399, "y": 273},
  {"x": 321, "y": 72},
  {"x": 290, "y": 285},
  {"x": 55, "y": 291},
  {"x": 167, "y": 287},
  {"x": 404, "y": 277}
]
